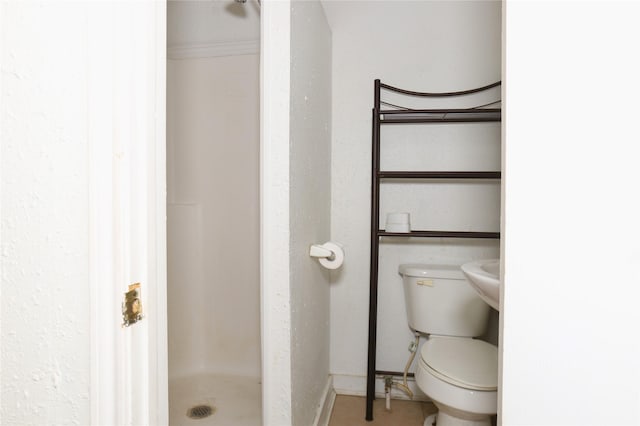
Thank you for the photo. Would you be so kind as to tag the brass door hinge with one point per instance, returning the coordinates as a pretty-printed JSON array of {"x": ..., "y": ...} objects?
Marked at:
[{"x": 132, "y": 306}]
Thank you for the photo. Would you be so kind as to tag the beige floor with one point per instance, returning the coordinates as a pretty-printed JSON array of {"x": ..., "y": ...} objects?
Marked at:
[{"x": 350, "y": 411}]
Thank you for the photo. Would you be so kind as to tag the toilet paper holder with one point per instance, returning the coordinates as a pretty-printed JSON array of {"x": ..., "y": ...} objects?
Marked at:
[
  {"x": 330, "y": 254},
  {"x": 318, "y": 250}
]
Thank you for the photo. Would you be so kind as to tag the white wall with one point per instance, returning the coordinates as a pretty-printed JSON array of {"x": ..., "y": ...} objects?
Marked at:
[
  {"x": 571, "y": 353},
  {"x": 422, "y": 46},
  {"x": 310, "y": 206},
  {"x": 45, "y": 209},
  {"x": 45, "y": 296},
  {"x": 81, "y": 143},
  {"x": 275, "y": 300},
  {"x": 213, "y": 219},
  {"x": 295, "y": 187}
]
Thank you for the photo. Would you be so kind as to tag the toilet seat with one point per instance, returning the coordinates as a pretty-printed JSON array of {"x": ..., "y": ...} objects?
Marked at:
[{"x": 464, "y": 362}]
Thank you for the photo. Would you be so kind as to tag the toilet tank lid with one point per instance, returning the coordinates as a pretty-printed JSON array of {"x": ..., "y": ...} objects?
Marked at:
[{"x": 423, "y": 270}]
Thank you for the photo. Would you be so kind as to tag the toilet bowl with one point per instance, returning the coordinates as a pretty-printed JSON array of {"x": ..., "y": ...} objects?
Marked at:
[
  {"x": 456, "y": 371},
  {"x": 460, "y": 376}
]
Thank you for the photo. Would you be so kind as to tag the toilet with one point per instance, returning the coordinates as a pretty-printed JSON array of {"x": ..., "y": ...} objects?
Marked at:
[{"x": 457, "y": 372}]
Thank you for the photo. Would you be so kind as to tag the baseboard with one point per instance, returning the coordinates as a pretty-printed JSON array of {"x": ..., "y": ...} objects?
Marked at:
[
  {"x": 326, "y": 405},
  {"x": 345, "y": 384}
]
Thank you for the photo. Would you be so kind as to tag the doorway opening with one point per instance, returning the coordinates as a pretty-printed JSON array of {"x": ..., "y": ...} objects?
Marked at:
[{"x": 213, "y": 231}]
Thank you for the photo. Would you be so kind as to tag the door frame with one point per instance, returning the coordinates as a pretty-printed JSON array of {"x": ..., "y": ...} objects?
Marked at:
[
  {"x": 127, "y": 388},
  {"x": 275, "y": 87},
  {"x": 126, "y": 58}
]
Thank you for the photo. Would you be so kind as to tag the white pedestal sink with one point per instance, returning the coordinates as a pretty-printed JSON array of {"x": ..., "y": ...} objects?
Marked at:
[{"x": 484, "y": 277}]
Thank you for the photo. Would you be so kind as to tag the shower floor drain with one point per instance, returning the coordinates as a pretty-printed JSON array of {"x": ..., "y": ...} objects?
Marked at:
[{"x": 200, "y": 411}]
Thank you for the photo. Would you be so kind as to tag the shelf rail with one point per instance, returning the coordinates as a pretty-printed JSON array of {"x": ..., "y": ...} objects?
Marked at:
[{"x": 408, "y": 116}]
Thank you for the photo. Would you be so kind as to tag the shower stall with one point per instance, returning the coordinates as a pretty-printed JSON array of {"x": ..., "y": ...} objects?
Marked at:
[
  {"x": 248, "y": 191},
  {"x": 213, "y": 218}
]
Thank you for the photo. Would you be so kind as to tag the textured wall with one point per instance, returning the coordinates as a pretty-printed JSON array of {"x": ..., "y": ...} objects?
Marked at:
[
  {"x": 45, "y": 292},
  {"x": 213, "y": 219},
  {"x": 310, "y": 205}
]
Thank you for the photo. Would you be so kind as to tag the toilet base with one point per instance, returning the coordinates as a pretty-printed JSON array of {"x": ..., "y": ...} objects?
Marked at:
[
  {"x": 442, "y": 418},
  {"x": 431, "y": 420}
]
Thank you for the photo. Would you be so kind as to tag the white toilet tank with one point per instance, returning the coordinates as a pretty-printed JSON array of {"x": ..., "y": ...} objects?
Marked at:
[{"x": 440, "y": 301}]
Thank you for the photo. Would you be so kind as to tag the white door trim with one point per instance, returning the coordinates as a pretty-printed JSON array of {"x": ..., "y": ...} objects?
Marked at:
[
  {"x": 159, "y": 351},
  {"x": 126, "y": 56},
  {"x": 104, "y": 343}
]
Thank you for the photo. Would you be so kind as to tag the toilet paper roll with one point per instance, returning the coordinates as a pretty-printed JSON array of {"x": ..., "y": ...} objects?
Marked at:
[{"x": 336, "y": 260}]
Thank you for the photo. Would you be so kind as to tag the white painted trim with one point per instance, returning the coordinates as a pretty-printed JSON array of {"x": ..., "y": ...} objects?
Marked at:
[
  {"x": 323, "y": 415},
  {"x": 211, "y": 50},
  {"x": 158, "y": 334},
  {"x": 346, "y": 384},
  {"x": 274, "y": 213},
  {"x": 126, "y": 133},
  {"x": 105, "y": 381}
]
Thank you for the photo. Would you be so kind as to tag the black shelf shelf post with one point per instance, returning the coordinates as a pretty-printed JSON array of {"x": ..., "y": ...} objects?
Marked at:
[
  {"x": 408, "y": 116},
  {"x": 373, "y": 271}
]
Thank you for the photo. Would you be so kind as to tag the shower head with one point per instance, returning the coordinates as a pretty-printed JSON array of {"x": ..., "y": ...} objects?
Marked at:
[{"x": 244, "y": 1}]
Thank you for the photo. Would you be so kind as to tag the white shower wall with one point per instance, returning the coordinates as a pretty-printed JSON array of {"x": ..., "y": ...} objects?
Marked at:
[{"x": 213, "y": 215}]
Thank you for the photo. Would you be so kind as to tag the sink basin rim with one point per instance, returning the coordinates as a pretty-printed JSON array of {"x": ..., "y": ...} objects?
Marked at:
[{"x": 484, "y": 276}]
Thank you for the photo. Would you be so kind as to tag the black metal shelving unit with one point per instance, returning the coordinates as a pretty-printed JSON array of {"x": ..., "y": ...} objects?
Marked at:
[{"x": 398, "y": 116}]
